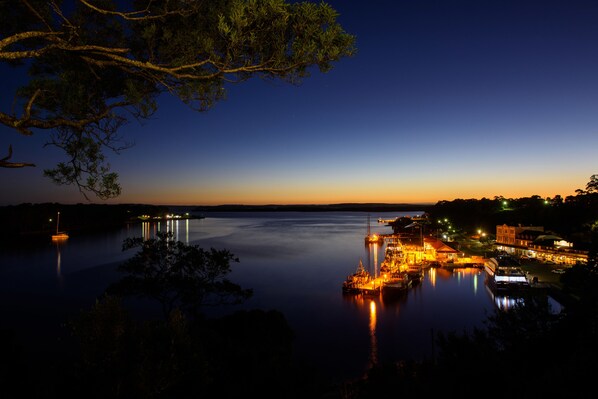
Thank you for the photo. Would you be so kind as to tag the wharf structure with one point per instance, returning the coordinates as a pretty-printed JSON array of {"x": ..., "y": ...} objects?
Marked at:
[
  {"x": 396, "y": 273},
  {"x": 405, "y": 256}
]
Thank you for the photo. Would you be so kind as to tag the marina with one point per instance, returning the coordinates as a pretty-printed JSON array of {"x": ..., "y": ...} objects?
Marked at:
[{"x": 395, "y": 275}]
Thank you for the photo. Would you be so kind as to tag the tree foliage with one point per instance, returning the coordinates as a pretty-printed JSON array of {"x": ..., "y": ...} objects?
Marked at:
[
  {"x": 574, "y": 217},
  {"x": 247, "y": 353},
  {"x": 177, "y": 275},
  {"x": 94, "y": 64}
]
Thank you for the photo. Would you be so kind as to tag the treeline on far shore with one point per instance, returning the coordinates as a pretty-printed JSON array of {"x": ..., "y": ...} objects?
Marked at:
[
  {"x": 39, "y": 220},
  {"x": 573, "y": 218},
  {"x": 347, "y": 207}
]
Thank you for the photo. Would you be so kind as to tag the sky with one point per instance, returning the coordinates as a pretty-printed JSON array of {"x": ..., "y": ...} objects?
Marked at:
[{"x": 443, "y": 100}]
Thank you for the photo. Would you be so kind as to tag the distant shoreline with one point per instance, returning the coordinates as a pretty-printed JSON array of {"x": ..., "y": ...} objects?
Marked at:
[{"x": 349, "y": 207}]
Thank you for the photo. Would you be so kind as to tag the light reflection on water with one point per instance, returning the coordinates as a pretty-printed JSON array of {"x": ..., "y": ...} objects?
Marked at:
[{"x": 295, "y": 262}]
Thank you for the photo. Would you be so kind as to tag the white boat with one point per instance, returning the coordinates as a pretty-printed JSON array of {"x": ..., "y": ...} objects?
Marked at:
[
  {"x": 504, "y": 273},
  {"x": 60, "y": 235}
]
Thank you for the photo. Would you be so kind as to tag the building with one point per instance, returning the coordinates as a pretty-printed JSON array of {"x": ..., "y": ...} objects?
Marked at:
[
  {"x": 533, "y": 242},
  {"x": 516, "y": 235},
  {"x": 437, "y": 250}
]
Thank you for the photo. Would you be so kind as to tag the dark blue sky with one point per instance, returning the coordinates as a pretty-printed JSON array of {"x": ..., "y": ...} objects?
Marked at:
[{"x": 443, "y": 100}]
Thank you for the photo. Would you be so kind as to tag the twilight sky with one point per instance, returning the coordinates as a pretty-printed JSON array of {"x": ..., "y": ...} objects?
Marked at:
[{"x": 443, "y": 100}]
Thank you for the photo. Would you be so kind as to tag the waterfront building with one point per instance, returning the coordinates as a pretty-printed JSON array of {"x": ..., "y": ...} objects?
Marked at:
[
  {"x": 534, "y": 242},
  {"x": 437, "y": 250}
]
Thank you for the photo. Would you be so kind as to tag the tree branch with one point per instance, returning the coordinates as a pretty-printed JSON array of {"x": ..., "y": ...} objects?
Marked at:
[
  {"x": 4, "y": 163},
  {"x": 132, "y": 15}
]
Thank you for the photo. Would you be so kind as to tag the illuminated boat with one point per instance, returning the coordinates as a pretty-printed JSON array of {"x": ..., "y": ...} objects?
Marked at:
[
  {"x": 361, "y": 282},
  {"x": 60, "y": 235},
  {"x": 395, "y": 283},
  {"x": 415, "y": 272},
  {"x": 394, "y": 256},
  {"x": 505, "y": 273},
  {"x": 373, "y": 238}
]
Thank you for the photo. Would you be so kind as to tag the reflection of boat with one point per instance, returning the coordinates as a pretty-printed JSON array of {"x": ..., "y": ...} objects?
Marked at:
[
  {"x": 505, "y": 300},
  {"x": 505, "y": 273},
  {"x": 60, "y": 235}
]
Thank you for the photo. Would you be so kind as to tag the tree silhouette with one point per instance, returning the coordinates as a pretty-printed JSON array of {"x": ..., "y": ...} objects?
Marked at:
[
  {"x": 177, "y": 275},
  {"x": 92, "y": 65}
]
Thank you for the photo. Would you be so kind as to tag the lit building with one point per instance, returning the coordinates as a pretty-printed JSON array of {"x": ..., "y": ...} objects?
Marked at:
[
  {"x": 533, "y": 242},
  {"x": 437, "y": 250}
]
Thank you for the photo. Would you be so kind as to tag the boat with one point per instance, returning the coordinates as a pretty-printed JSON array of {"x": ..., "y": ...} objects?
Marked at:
[
  {"x": 394, "y": 256},
  {"x": 415, "y": 273},
  {"x": 60, "y": 235},
  {"x": 394, "y": 269},
  {"x": 373, "y": 238},
  {"x": 360, "y": 282},
  {"x": 395, "y": 284},
  {"x": 504, "y": 273}
]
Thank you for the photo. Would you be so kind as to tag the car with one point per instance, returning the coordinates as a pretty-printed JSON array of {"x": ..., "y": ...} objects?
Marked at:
[{"x": 558, "y": 271}]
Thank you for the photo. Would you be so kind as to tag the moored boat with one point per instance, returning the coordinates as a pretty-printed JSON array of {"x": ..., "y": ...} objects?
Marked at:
[
  {"x": 355, "y": 282},
  {"x": 505, "y": 273},
  {"x": 60, "y": 235},
  {"x": 373, "y": 238},
  {"x": 395, "y": 283},
  {"x": 415, "y": 273}
]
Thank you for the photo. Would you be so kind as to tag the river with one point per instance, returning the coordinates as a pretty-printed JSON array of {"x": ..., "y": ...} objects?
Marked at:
[{"x": 295, "y": 262}]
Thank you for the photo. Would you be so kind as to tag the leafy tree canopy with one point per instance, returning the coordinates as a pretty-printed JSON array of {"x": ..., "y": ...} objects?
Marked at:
[
  {"x": 177, "y": 275},
  {"x": 93, "y": 64}
]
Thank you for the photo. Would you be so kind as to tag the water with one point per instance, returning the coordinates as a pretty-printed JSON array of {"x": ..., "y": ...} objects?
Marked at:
[{"x": 294, "y": 261}]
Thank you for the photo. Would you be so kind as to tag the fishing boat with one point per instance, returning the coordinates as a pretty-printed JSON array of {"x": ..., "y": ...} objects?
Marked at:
[
  {"x": 60, "y": 235},
  {"x": 393, "y": 270},
  {"x": 394, "y": 257},
  {"x": 360, "y": 282},
  {"x": 395, "y": 284},
  {"x": 415, "y": 273}
]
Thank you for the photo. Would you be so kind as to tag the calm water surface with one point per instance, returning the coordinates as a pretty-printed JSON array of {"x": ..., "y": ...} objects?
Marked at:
[{"x": 295, "y": 263}]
